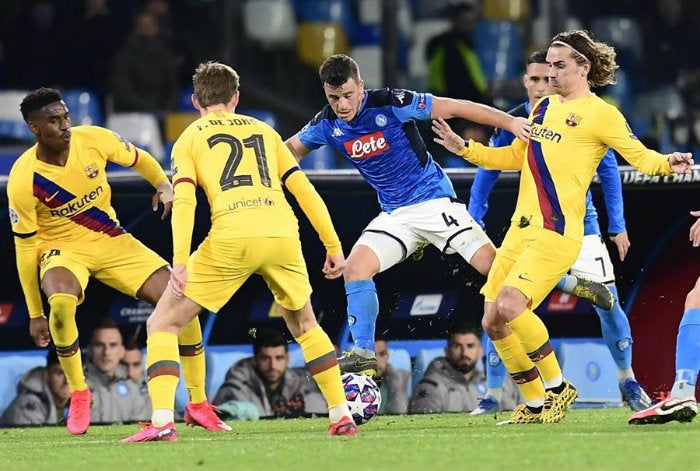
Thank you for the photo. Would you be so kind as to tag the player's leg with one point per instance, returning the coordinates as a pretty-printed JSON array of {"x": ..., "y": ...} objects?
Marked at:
[
  {"x": 162, "y": 364},
  {"x": 594, "y": 263},
  {"x": 495, "y": 377},
  {"x": 286, "y": 276},
  {"x": 385, "y": 242},
  {"x": 363, "y": 307},
  {"x": 136, "y": 270},
  {"x": 688, "y": 346},
  {"x": 63, "y": 280},
  {"x": 541, "y": 258},
  {"x": 681, "y": 404}
]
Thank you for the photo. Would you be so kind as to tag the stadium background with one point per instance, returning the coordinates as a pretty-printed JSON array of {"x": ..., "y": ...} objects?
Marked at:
[{"x": 279, "y": 83}]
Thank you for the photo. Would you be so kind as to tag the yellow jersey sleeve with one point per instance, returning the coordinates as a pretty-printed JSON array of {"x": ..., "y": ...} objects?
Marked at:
[
  {"x": 616, "y": 133},
  {"x": 185, "y": 202},
  {"x": 22, "y": 209},
  {"x": 495, "y": 158}
]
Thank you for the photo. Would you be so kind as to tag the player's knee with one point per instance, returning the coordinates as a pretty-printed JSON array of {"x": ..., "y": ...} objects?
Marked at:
[
  {"x": 357, "y": 269},
  {"x": 692, "y": 300},
  {"x": 510, "y": 303}
]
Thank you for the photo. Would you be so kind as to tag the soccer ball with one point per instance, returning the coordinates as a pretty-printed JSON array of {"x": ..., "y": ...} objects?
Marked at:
[{"x": 363, "y": 396}]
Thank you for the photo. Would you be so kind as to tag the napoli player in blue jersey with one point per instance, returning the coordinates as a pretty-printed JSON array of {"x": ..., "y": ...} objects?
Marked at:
[
  {"x": 376, "y": 130},
  {"x": 593, "y": 262}
]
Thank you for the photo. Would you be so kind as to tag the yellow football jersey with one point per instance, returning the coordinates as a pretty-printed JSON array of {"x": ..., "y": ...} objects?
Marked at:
[
  {"x": 240, "y": 164},
  {"x": 567, "y": 142},
  {"x": 73, "y": 202}
]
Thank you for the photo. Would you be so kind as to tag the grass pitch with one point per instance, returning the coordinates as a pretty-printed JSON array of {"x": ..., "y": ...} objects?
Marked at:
[{"x": 588, "y": 439}]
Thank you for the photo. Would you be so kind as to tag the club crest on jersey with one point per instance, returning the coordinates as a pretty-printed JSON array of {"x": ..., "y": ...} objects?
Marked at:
[
  {"x": 92, "y": 171},
  {"x": 380, "y": 120},
  {"x": 573, "y": 119},
  {"x": 421, "y": 101},
  {"x": 367, "y": 146}
]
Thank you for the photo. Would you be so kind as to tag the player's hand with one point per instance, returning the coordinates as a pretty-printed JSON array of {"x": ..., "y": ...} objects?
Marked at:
[
  {"x": 681, "y": 162},
  {"x": 622, "y": 241},
  {"x": 334, "y": 266},
  {"x": 447, "y": 138},
  {"x": 164, "y": 194},
  {"x": 39, "y": 331},
  {"x": 695, "y": 229},
  {"x": 521, "y": 127},
  {"x": 178, "y": 280}
]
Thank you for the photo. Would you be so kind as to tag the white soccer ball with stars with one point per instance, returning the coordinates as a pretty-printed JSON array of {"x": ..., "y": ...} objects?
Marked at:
[{"x": 363, "y": 396}]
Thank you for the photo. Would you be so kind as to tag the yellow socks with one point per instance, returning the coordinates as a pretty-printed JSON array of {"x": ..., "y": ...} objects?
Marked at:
[
  {"x": 162, "y": 369},
  {"x": 521, "y": 368},
  {"x": 192, "y": 360},
  {"x": 322, "y": 363},
  {"x": 534, "y": 338},
  {"x": 64, "y": 332}
]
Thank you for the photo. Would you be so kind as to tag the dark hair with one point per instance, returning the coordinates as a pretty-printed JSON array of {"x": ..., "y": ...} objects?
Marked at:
[
  {"x": 461, "y": 326},
  {"x": 51, "y": 358},
  {"x": 269, "y": 338},
  {"x": 106, "y": 323},
  {"x": 37, "y": 99},
  {"x": 131, "y": 343},
  {"x": 337, "y": 69},
  {"x": 537, "y": 57},
  {"x": 585, "y": 49}
]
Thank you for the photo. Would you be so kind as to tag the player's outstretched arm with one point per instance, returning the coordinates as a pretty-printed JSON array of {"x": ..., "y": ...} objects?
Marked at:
[{"x": 449, "y": 108}]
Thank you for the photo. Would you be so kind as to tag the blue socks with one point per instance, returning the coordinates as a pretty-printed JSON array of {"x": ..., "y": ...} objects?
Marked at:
[
  {"x": 688, "y": 348},
  {"x": 495, "y": 369},
  {"x": 363, "y": 308},
  {"x": 616, "y": 332}
]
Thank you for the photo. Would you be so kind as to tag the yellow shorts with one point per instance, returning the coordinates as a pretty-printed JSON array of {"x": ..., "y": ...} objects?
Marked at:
[
  {"x": 533, "y": 260},
  {"x": 217, "y": 269},
  {"x": 121, "y": 262}
]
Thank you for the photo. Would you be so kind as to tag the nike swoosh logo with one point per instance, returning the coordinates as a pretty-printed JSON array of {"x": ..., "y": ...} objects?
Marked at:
[
  {"x": 522, "y": 277},
  {"x": 49, "y": 198}
]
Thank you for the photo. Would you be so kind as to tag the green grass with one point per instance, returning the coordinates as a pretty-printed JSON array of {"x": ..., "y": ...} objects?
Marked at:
[{"x": 588, "y": 439}]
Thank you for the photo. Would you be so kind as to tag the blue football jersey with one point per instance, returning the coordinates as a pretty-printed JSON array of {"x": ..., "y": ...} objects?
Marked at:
[{"x": 384, "y": 144}]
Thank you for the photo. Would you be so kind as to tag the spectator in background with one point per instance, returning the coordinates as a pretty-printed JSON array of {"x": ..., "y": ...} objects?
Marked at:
[
  {"x": 115, "y": 398},
  {"x": 392, "y": 382},
  {"x": 42, "y": 396},
  {"x": 455, "y": 70},
  {"x": 266, "y": 381},
  {"x": 133, "y": 360},
  {"x": 32, "y": 46},
  {"x": 454, "y": 383},
  {"x": 160, "y": 9},
  {"x": 90, "y": 43},
  {"x": 144, "y": 73}
]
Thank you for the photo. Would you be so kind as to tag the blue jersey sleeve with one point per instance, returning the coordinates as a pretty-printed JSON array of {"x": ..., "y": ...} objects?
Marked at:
[
  {"x": 419, "y": 108},
  {"x": 482, "y": 185},
  {"x": 612, "y": 192},
  {"x": 314, "y": 135}
]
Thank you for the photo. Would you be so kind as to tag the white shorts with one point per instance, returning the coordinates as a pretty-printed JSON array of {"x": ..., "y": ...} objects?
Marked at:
[
  {"x": 594, "y": 261},
  {"x": 443, "y": 222}
]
